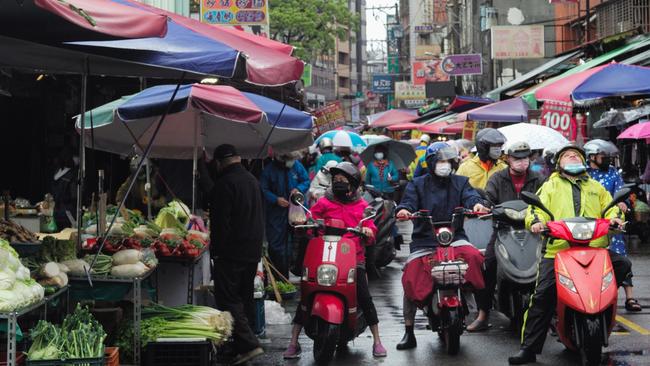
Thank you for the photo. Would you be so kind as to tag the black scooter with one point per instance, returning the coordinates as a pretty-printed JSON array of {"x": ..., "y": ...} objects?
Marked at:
[
  {"x": 517, "y": 253},
  {"x": 385, "y": 248}
]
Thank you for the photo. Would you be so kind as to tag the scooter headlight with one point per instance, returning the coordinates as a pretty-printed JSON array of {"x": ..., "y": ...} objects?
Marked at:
[
  {"x": 582, "y": 230},
  {"x": 567, "y": 282},
  {"x": 327, "y": 274},
  {"x": 515, "y": 215},
  {"x": 352, "y": 275},
  {"x": 607, "y": 280},
  {"x": 445, "y": 236}
]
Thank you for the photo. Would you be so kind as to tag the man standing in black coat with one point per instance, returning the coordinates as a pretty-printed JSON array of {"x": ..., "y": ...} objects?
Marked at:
[{"x": 237, "y": 231}]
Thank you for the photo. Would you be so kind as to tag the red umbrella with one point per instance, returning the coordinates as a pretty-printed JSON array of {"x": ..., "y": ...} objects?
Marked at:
[
  {"x": 561, "y": 89},
  {"x": 53, "y": 21},
  {"x": 443, "y": 128},
  {"x": 404, "y": 126},
  {"x": 392, "y": 117}
]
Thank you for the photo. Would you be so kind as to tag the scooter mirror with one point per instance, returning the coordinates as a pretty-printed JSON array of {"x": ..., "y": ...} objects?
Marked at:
[
  {"x": 297, "y": 198},
  {"x": 619, "y": 197},
  {"x": 369, "y": 213},
  {"x": 533, "y": 200}
]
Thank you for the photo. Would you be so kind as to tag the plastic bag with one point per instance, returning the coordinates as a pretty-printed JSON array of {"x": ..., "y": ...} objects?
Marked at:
[
  {"x": 275, "y": 314},
  {"x": 296, "y": 215}
]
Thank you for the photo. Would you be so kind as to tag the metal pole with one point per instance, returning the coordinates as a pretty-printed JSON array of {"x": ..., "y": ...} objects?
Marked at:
[
  {"x": 148, "y": 188},
  {"x": 587, "y": 22},
  {"x": 195, "y": 163},
  {"x": 82, "y": 155}
]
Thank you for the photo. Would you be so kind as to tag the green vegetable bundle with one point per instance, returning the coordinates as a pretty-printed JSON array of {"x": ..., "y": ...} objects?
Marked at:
[
  {"x": 102, "y": 265},
  {"x": 283, "y": 287},
  {"x": 53, "y": 250},
  {"x": 80, "y": 336}
]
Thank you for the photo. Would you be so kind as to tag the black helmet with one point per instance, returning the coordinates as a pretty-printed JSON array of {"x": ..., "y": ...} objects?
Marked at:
[
  {"x": 485, "y": 138},
  {"x": 519, "y": 149},
  {"x": 349, "y": 171},
  {"x": 563, "y": 149}
]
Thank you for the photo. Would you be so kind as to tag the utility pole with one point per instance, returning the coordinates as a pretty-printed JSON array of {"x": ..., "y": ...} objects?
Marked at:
[{"x": 588, "y": 15}]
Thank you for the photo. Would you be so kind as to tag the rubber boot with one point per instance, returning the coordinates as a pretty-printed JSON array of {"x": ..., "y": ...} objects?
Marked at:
[{"x": 408, "y": 341}]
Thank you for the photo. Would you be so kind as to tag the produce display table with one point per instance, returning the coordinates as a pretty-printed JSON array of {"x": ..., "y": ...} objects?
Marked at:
[
  {"x": 12, "y": 321},
  {"x": 190, "y": 263},
  {"x": 135, "y": 283}
]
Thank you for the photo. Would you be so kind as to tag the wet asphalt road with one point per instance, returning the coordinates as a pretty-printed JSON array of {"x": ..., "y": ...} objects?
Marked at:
[{"x": 630, "y": 345}]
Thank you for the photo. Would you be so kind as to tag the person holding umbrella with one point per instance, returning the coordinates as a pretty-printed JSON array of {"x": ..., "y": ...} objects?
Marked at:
[
  {"x": 284, "y": 176},
  {"x": 381, "y": 173}
]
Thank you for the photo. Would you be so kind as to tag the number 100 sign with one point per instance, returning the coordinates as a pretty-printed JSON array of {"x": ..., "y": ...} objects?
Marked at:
[{"x": 559, "y": 116}]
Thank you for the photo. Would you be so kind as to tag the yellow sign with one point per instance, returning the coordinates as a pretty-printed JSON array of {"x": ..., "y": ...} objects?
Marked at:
[{"x": 235, "y": 12}]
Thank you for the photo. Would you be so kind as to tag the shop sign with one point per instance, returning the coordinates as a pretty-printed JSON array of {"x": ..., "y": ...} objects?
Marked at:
[
  {"x": 518, "y": 41},
  {"x": 414, "y": 103},
  {"x": 382, "y": 84},
  {"x": 427, "y": 51},
  {"x": 404, "y": 90},
  {"x": 463, "y": 64},
  {"x": 234, "y": 12},
  {"x": 428, "y": 71},
  {"x": 329, "y": 117},
  {"x": 559, "y": 116},
  {"x": 424, "y": 28}
]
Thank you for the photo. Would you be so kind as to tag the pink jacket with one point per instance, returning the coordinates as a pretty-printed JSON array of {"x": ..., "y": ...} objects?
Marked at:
[{"x": 351, "y": 213}]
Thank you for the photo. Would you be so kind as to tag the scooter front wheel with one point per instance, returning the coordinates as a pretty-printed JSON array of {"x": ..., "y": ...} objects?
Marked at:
[
  {"x": 592, "y": 343},
  {"x": 451, "y": 328},
  {"x": 325, "y": 341}
]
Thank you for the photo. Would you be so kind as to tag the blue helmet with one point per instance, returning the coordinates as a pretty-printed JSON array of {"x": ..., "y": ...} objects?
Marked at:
[{"x": 441, "y": 151}]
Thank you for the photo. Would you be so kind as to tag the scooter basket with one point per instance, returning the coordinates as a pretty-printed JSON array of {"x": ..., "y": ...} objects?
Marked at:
[{"x": 451, "y": 273}]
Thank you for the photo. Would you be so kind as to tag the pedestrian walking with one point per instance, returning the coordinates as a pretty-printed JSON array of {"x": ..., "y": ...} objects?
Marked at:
[
  {"x": 279, "y": 180},
  {"x": 237, "y": 232}
]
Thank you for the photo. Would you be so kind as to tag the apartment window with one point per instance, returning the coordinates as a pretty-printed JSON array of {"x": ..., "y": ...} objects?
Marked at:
[
  {"x": 344, "y": 82},
  {"x": 343, "y": 58}
]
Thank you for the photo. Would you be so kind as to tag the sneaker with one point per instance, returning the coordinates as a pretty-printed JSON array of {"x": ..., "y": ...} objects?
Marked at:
[
  {"x": 378, "y": 350},
  {"x": 245, "y": 357},
  {"x": 292, "y": 352}
]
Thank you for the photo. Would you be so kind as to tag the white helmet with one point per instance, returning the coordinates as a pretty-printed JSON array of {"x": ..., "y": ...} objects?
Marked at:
[{"x": 425, "y": 138}]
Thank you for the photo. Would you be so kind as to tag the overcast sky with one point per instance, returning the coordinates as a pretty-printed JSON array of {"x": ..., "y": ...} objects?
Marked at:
[{"x": 376, "y": 22}]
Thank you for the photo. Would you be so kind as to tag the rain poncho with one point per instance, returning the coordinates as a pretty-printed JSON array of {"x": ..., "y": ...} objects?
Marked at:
[
  {"x": 477, "y": 174},
  {"x": 613, "y": 182}
]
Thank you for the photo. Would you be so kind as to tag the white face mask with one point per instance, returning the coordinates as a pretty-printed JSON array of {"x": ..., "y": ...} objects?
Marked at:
[
  {"x": 495, "y": 152},
  {"x": 443, "y": 169},
  {"x": 379, "y": 155},
  {"x": 289, "y": 163}
]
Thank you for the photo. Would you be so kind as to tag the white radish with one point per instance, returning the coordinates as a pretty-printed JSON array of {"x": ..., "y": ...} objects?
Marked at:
[
  {"x": 129, "y": 270},
  {"x": 78, "y": 267},
  {"x": 63, "y": 267},
  {"x": 127, "y": 256},
  {"x": 49, "y": 270}
]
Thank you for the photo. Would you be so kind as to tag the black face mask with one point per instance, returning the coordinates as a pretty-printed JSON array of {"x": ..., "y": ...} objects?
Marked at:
[
  {"x": 341, "y": 190},
  {"x": 605, "y": 163}
]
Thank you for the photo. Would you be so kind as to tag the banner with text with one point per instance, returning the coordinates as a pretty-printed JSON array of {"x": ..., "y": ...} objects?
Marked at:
[
  {"x": 235, "y": 12},
  {"x": 328, "y": 118},
  {"x": 382, "y": 84},
  {"x": 517, "y": 41},
  {"x": 463, "y": 64},
  {"x": 559, "y": 116}
]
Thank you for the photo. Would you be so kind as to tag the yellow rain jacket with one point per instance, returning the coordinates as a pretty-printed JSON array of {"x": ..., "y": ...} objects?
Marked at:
[
  {"x": 477, "y": 174},
  {"x": 557, "y": 195}
]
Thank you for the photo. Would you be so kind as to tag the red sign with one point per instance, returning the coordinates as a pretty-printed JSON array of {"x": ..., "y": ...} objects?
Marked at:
[
  {"x": 328, "y": 118},
  {"x": 424, "y": 71},
  {"x": 559, "y": 116}
]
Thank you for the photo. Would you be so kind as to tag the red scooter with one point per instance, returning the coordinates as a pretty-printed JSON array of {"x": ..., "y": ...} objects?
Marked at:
[
  {"x": 586, "y": 286},
  {"x": 447, "y": 309},
  {"x": 328, "y": 287}
]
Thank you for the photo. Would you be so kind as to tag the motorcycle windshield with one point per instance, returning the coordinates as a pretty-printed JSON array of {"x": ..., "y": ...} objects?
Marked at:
[{"x": 518, "y": 251}]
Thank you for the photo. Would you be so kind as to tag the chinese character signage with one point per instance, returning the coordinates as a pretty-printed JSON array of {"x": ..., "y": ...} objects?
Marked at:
[
  {"x": 382, "y": 84},
  {"x": 463, "y": 64},
  {"x": 559, "y": 116},
  {"x": 328, "y": 118},
  {"x": 424, "y": 28},
  {"x": 404, "y": 90},
  {"x": 235, "y": 12},
  {"x": 518, "y": 41},
  {"x": 431, "y": 71}
]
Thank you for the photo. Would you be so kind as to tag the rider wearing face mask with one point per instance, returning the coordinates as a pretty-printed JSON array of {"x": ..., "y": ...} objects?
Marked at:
[
  {"x": 439, "y": 192},
  {"x": 381, "y": 173},
  {"x": 279, "y": 179},
  {"x": 505, "y": 185},
  {"x": 480, "y": 168}
]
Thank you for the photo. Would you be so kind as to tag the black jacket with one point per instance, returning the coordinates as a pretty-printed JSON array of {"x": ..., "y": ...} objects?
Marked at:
[
  {"x": 500, "y": 189},
  {"x": 236, "y": 216}
]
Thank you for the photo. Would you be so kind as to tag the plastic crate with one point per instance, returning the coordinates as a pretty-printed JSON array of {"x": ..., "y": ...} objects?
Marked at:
[
  {"x": 195, "y": 353},
  {"x": 78, "y": 361},
  {"x": 112, "y": 356}
]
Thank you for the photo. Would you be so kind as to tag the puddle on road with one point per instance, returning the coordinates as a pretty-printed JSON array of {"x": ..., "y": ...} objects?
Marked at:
[{"x": 609, "y": 358}]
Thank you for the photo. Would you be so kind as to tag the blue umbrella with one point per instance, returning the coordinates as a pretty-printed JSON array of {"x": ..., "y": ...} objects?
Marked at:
[
  {"x": 614, "y": 80},
  {"x": 342, "y": 138}
]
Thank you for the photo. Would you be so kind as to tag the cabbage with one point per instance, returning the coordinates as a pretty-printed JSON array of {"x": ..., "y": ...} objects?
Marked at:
[
  {"x": 5, "y": 245},
  {"x": 8, "y": 300},
  {"x": 23, "y": 274},
  {"x": 25, "y": 292},
  {"x": 7, "y": 279},
  {"x": 180, "y": 211},
  {"x": 13, "y": 263}
]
